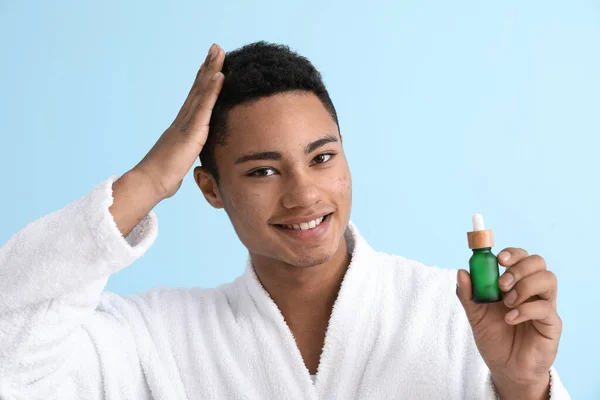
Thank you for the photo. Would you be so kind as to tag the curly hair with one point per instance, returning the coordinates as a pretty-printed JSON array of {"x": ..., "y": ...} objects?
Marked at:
[{"x": 255, "y": 71}]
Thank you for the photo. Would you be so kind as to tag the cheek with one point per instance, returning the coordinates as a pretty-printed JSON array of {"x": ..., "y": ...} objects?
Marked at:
[
  {"x": 342, "y": 185},
  {"x": 249, "y": 209},
  {"x": 341, "y": 193}
]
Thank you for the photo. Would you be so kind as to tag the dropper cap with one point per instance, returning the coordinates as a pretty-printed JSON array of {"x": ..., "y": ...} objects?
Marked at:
[{"x": 480, "y": 238}]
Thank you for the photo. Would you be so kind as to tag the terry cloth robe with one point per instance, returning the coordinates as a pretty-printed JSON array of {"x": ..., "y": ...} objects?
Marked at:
[{"x": 397, "y": 330}]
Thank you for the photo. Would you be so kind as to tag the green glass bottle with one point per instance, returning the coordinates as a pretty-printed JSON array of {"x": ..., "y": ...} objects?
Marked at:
[{"x": 483, "y": 264}]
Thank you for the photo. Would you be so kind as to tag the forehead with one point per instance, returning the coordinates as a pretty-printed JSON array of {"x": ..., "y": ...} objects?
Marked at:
[{"x": 281, "y": 120}]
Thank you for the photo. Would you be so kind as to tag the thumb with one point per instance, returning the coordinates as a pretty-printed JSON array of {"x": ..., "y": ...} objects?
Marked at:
[
  {"x": 464, "y": 291},
  {"x": 475, "y": 312}
]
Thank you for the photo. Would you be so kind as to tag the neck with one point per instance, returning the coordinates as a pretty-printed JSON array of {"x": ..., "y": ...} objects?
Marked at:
[
  {"x": 305, "y": 297},
  {"x": 303, "y": 292}
]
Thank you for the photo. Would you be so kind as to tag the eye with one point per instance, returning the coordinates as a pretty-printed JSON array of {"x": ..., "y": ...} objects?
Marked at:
[
  {"x": 323, "y": 158},
  {"x": 261, "y": 172}
]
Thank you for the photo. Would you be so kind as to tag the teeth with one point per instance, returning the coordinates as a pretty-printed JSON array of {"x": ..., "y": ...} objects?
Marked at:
[{"x": 306, "y": 225}]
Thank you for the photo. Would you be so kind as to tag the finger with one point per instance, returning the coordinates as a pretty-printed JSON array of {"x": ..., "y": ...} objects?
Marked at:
[
  {"x": 194, "y": 117},
  {"x": 212, "y": 54},
  {"x": 541, "y": 314},
  {"x": 209, "y": 67},
  {"x": 518, "y": 271},
  {"x": 511, "y": 255},
  {"x": 464, "y": 291},
  {"x": 542, "y": 284},
  {"x": 203, "y": 102},
  {"x": 212, "y": 65},
  {"x": 201, "y": 72},
  {"x": 184, "y": 115}
]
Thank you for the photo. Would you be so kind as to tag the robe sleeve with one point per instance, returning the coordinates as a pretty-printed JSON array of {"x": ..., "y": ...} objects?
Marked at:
[{"x": 52, "y": 274}]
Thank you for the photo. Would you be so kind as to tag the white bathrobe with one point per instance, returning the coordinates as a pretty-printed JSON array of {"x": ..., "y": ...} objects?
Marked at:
[{"x": 397, "y": 330}]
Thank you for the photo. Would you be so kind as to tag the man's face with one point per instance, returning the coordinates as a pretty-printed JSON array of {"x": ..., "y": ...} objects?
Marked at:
[{"x": 283, "y": 164}]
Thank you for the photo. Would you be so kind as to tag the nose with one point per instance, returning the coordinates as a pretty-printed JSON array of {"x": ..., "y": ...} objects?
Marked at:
[{"x": 300, "y": 191}]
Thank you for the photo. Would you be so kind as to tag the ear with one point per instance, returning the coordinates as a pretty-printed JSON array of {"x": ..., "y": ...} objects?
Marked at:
[{"x": 207, "y": 184}]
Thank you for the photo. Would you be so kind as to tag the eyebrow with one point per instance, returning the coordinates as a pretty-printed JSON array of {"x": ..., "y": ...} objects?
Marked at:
[{"x": 276, "y": 156}]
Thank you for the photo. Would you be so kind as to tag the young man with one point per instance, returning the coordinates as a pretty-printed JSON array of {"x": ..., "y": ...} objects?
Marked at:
[{"x": 318, "y": 313}]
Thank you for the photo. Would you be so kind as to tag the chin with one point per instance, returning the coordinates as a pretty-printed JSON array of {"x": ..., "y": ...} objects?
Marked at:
[
  {"x": 315, "y": 254},
  {"x": 306, "y": 257},
  {"x": 311, "y": 260}
]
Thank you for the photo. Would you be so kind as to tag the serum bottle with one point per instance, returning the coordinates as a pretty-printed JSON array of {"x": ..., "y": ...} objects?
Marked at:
[{"x": 483, "y": 264}]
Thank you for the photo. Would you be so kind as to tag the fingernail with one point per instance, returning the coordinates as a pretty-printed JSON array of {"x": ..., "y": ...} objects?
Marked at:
[
  {"x": 510, "y": 298},
  {"x": 504, "y": 256},
  {"x": 216, "y": 76},
  {"x": 507, "y": 279},
  {"x": 512, "y": 315},
  {"x": 214, "y": 52}
]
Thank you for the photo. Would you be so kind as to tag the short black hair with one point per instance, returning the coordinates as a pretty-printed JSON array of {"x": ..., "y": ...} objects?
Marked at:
[{"x": 255, "y": 71}]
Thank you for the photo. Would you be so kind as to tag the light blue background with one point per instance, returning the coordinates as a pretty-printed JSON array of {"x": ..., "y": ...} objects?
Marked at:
[{"x": 447, "y": 109}]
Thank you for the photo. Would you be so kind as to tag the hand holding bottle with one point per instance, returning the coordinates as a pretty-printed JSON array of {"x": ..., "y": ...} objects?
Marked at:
[{"x": 517, "y": 337}]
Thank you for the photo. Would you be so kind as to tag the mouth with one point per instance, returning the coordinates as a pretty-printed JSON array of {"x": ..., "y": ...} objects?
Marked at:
[
  {"x": 305, "y": 226},
  {"x": 306, "y": 230}
]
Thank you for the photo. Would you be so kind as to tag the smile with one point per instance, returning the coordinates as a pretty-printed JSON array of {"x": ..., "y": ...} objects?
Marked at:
[
  {"x": 310, "y": 230},
  {"x": 304, "y": 226}
]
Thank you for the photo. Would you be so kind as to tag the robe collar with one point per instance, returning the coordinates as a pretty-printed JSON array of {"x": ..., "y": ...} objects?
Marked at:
[{"x": 351, "y": 332}]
